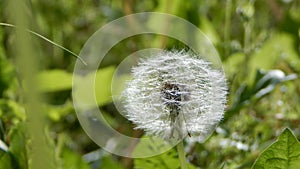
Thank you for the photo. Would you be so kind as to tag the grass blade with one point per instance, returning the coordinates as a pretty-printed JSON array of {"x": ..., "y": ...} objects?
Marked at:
[{"x": 47, "y": 40}]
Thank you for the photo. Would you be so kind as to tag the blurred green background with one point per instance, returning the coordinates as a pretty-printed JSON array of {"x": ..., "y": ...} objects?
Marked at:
[{"x": 259, "y": 45}]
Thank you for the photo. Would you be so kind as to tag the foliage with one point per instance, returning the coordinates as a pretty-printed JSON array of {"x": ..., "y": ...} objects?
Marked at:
[
  {"x": 284, "y": 153},
  {"x": 259, "y": 45}
]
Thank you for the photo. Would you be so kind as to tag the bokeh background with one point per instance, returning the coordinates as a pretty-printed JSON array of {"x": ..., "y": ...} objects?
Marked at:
[{"x": 259, "y": 45}]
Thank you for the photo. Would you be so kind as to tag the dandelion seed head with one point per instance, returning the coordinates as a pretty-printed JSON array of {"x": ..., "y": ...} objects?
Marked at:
[{"x": 175, "y": 90}]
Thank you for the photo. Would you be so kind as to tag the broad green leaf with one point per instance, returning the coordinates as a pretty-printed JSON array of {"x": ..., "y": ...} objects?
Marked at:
[
  {"x": 166, "y": 160},
  {"x": 102, "y": 87},
  {"x": 57, "y": 80},
  {"x": 119, "y": 84},
  {"x": 283, "y": 154},
  {"x": 109, "y": 162},
  {"x": 71, "y": 160},
  {"x": 151, "y": 146},
  {"x": 54, "y": 80}
]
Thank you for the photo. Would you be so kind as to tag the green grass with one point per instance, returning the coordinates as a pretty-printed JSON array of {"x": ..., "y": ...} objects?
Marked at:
[{"x": 38, "y": 124}]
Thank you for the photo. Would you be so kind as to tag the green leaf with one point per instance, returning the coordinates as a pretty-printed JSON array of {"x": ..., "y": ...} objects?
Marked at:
[
  {"x": 167, "y": 160},
  {"x": 11, "y": 111},
  {"x": 5, "y": 160},
  {"x": 18, "y": 145},
  {"x": 56, "y": 113},
  {"x": 267, "y": 81},
  {"x": 283, "y": 154},
  {"x": 209, "y": 30},
  {"x": 102, "y": 87},
  {"x": 6, "y": 70},
  {"x": 233, "y": 63},
  {"x": 171, "y": 8},
  {"x": 72, "y": 160},
  {"x": 109, "y": 162},
  {"x": 16, "y": 109},
  {"x": 54, "y": 80},
  {"x": 57, "y": 80}
]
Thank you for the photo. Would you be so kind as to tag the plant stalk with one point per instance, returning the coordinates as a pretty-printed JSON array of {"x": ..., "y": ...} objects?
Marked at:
[
  {"x": 227, "y": 28},
  {"x": 181, "y": 155},
  {"x": 26, "y": 54}
]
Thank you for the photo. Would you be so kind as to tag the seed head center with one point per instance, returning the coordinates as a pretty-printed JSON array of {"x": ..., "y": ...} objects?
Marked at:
[{"x": 171, "y": 96}]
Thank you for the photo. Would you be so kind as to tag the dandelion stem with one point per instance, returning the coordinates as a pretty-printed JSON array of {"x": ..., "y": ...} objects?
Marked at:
[{"x": 181, "y": 155}]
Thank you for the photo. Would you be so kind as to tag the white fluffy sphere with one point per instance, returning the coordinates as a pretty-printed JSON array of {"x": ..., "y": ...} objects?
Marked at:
[{"x": 174, "y": 94}]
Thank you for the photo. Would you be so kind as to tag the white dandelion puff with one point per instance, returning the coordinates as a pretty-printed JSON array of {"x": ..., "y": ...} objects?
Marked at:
[{"x": 175, "y": 94}]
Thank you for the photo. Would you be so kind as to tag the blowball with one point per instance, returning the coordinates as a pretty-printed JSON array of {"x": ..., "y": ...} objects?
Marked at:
[{"x": 175, "y": 94}]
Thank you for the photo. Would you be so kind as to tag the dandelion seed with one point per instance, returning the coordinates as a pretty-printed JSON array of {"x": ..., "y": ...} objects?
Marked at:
[{"x": 175, "y": 94}]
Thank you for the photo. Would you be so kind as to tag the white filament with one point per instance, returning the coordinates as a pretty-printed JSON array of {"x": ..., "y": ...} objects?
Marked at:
[{"x": 205, "y": 88}]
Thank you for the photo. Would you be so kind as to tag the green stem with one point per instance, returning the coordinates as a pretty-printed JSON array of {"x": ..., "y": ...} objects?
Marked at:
[
  {"x": 40, "y": 153},
  {"x": 181, "y": 155},
  {"x": 247, "y": 32},
  {"x": 227, "y": 29}
]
